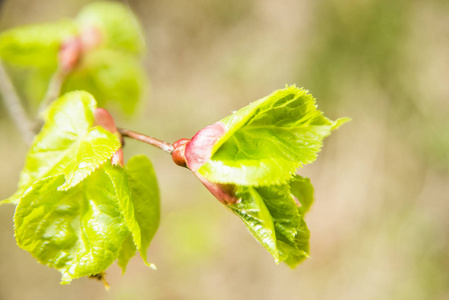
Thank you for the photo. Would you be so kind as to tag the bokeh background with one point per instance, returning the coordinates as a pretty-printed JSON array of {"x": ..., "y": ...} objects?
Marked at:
[{"x": 380, "y": 222}]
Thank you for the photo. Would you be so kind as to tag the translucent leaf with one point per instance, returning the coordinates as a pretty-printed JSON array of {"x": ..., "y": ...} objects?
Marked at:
[
  {"x": 35, "y": 45},
  {"x": 145, "y": 197},
  {"x": 302, "y": 190},
  {"x": 67, "y": 144},
  {"x": 267, "y": 141},
  {"x": 272, "y": 215},
  {"x": 79, "y": 232},
  {"x": 255, "y": 215},
  {"x": 115, "y": 79},
  {"x": 292, "y": 235},
  {"x": 126, "y": 253},
  {"x": 116, "y": 22}
]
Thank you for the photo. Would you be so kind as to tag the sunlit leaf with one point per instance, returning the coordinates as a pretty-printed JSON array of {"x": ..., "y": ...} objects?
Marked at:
[
  {"x": 302, "y": 190},
  {"x": 126, "y": 253},
  {"x": 267, "y": 141},
  {"x": 68, "y": 144},
  {"x": 255, "y": 215},
  {"x": 145, "y": 197},
  {"x": 79, "y": 232},
  {"x": 272, "y": 215}
]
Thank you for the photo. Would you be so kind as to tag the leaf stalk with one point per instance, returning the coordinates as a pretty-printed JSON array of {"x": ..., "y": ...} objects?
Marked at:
[{"x": 167, "y": 147}]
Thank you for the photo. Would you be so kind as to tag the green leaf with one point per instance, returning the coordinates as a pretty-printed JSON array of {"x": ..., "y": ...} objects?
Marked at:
[
  {"x": 115, "y": 79},
  {"x": 79, "y": 232},
  {"x": 267, "y": 141},
  {"x": 292, "y": 234},
  {"x": 127, "y": 252},
  {"x": 255, "y": 215},
  {"x": 302, "y": 190},
  {"x": 68, "y": 144},
  {"x": 145, "y": 197},
  {"x": 272, "y": 215},
  {"x": 35, "y": 45},
  {"x": 116, "y": 22}
]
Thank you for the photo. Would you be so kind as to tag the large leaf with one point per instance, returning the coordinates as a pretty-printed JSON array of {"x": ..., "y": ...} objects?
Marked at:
[
  {"x": 145, "y": 198},
  {"x": 67, "y": 144},
  {"x": 115, "y": 79},
  {"x": 119, "y": 28},
  {"x": 265, "y": 142},
  {"x": 79, "y": 232},
  {"x": 272, "y": 215},
  {"x": 35, "y": 45}
]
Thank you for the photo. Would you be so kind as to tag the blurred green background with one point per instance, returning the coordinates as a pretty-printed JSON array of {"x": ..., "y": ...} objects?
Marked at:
[{"x": 380, "y": 222}]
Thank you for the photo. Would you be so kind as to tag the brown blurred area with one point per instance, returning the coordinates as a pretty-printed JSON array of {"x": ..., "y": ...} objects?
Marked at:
[{"x": 380, "y": 222}]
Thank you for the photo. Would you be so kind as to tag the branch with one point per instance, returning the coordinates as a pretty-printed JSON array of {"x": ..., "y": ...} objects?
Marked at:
[
  {"x": 15, "y": 108},
  {"x": 53, "y": 89},
  {"x": 167, "y": 147}
]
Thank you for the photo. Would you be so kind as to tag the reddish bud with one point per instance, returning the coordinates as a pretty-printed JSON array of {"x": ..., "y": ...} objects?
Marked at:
[
  {"x": 104, "y": 119},
  {"x": 199, "y": 150},
  {"x": 225, "y": 193},
  {"x": 69, "y": 53},
  {"x": 178, "y": 154},
  {"x": 194, "y": 153},
  {"x": 117, "y": 158}
]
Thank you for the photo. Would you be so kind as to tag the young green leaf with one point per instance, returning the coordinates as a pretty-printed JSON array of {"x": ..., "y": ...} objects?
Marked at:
[
  {"x": 79, "y": 232},
  {"x": 145, "y": 198},
  {"x": 119, "y": 28},
  {"x": 138, "y": 199},
  {"x": 263, "y": 143},
  {"x": 113, "y": 78},
  {"x": 126, "y": 253},
  {"x": 256, "y": 217},
  {"x": 302, "y": 190},
  {"x": 35, "y": 45},
  {"x": 272, "y": 215},
  {"x": 292, "y": 235},
  {"x": 68, "y": 144}
]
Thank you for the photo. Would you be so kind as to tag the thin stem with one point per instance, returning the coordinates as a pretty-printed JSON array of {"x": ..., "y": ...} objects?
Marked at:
[
  {"x": 54, "y": 88},
  {"x": 15, "y": 108},
  {"x": 167, "y": 147}
]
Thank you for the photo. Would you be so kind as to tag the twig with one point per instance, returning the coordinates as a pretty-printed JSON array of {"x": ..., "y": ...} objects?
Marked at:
[
  {"x": 15, "y": 108},
  {"x": 167, "y": 147},
  {"x": 53, "y": 89}
]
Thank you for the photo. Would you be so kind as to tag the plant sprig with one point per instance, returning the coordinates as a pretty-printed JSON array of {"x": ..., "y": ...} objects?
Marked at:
[{"x": 80, "y": 207}]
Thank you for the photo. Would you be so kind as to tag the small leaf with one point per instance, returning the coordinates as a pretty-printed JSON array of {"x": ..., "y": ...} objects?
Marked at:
[
  {"x": 67, "y": 144},
  {"x": 292, "y": 235},
  {"x": 79, "y": 232},
  {"x": 35, "y": 45},
  {"x": 265, "y": 142},
  {"x": 254, "y": 213},
  {"x": 127, "y": 252},
  {"x": 115, "y": 79},
  {"x": 145, "y": 197},
  {"x": 302, "y": 190},
  {"x": 117, "y": 23},
  {"x": 271, "y": 214}
]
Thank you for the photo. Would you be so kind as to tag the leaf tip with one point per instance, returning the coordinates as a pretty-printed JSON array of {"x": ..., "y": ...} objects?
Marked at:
[{"x": 340, "y": 122}]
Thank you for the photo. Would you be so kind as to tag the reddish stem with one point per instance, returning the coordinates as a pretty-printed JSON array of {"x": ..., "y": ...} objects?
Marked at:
[{"x": 167, "y": 147}]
